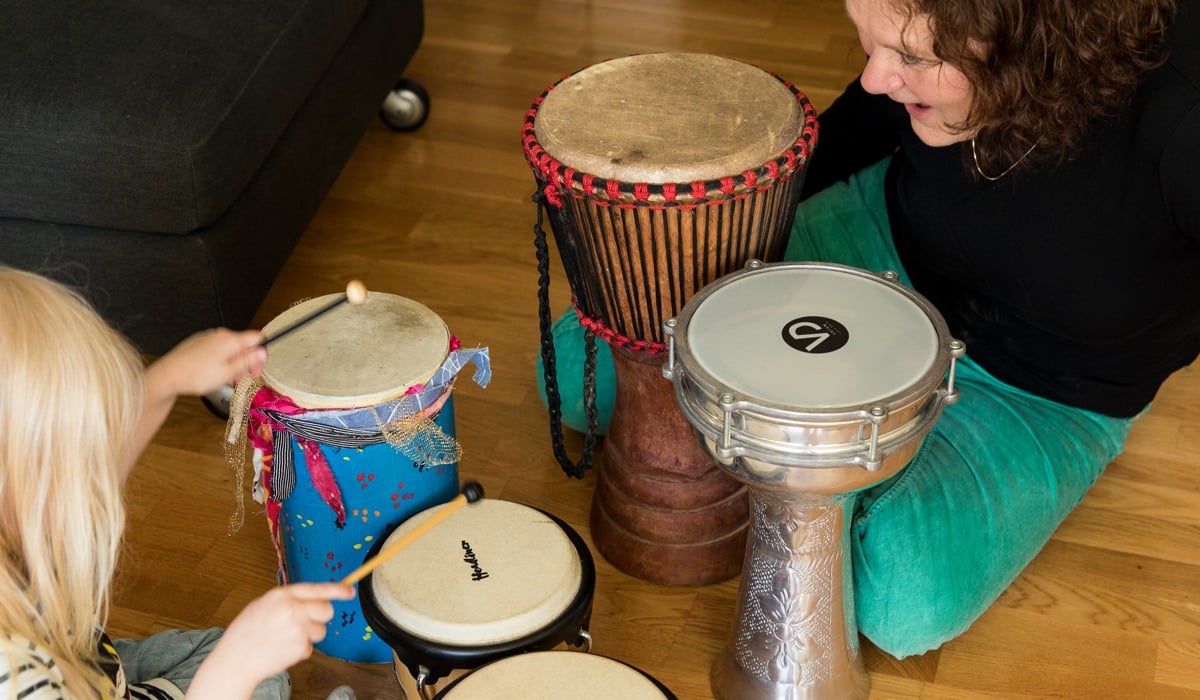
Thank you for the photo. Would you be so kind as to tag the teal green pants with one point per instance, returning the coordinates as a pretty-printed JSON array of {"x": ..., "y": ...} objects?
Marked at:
[{"x": 935, "y": 545}]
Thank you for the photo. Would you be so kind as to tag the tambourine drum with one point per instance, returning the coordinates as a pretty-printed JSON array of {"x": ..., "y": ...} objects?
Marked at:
[
  {"x": 556, "y": 675},
  {"x": 354, "y": 432},
  {"x": 808, "y": 382},
  {"x": 660, "y": 173},
  {"x": 494, "y": 579}
]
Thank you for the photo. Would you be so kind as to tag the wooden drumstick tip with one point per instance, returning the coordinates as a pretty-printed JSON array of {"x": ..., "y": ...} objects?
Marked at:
[
  {"x": 472, "y": 491},
  {"x": 356, "y": 292}
]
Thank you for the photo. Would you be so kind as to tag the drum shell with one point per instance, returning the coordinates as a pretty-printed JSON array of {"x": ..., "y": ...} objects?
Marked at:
[
  {"x": 381, "y": 487},
  {"x": 446, "y": 662},
  {"x": 769, "y": 448},
  {"x": 829, "y": 466},
  {"x": 631, "y": 267}
]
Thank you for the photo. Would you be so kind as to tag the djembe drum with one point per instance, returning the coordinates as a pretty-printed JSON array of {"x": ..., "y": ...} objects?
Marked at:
[
  {"x": 660, "y": 173},
  {"x": 352, "y": 424},
  {"x": 808, "y": 383}
]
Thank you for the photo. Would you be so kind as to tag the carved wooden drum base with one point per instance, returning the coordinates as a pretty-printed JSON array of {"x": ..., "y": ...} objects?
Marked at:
[{"x": 664, "y": 510}]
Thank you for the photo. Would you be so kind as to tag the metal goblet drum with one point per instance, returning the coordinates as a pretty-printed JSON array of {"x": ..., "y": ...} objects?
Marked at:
[{"x": 808, "y": 383}]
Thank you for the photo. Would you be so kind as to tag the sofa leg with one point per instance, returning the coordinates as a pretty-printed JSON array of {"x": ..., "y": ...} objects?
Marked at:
[
  {"x": 406, "y": 107},
  {"x": 218, "y": 401}
]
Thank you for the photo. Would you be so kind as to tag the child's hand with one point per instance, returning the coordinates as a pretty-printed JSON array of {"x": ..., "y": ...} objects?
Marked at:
[
  {"x": 199, "y": 365},
  {"x": 271, "y": 634},
  {"x": 208, "y": 360}
]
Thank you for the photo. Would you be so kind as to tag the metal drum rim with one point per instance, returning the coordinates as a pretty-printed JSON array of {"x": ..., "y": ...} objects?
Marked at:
[{"x": 830, "y": 455}]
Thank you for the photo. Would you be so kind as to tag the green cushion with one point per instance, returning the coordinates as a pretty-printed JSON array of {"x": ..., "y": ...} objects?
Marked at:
[{"x": 568, "y": 338}]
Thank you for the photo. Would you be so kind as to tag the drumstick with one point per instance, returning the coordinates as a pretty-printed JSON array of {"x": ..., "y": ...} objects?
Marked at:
[
  {"x": 356, "y": 293},
  {"x": 471, "y": 491}
]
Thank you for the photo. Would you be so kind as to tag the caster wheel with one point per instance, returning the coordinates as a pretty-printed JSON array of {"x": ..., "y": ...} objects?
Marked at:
[
  {"x": 406, "y": 107},
  {"x": 218, "y": 402}
]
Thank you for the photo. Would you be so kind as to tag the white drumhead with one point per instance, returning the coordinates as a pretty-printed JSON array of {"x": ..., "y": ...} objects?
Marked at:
[
  {"x": 554, "y": 675},
  {"x": 668, "y": 117},
  {"x": 492, "y": 572},
  {"x": 737, "y": 334},
  {"x": 355, "y": 355}
]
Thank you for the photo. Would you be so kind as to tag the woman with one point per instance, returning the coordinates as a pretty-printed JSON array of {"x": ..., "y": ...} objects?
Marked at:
[{"x": 1026, "y": 166}]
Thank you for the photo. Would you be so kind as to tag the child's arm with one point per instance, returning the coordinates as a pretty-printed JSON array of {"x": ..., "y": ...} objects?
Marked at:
[
  {"x": 270, "y": 635},
  {"x": 200, "y": 364}
]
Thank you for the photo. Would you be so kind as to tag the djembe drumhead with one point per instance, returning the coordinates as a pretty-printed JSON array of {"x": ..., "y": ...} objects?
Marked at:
[{"x": 668, "y": 117}]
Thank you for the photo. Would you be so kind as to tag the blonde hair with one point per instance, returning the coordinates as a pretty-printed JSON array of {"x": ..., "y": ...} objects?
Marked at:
[{"x": 70, "y": 399}]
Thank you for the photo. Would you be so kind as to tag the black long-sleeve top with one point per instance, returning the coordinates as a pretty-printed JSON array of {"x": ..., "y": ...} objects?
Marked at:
[{"x": 1079, "y": 283}]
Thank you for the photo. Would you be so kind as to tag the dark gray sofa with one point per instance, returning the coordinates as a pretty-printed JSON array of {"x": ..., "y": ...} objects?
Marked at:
[{"x": 164, "y": 155}]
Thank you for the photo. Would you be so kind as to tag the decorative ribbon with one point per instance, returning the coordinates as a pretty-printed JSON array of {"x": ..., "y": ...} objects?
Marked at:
[{"x": 272, "y": 421}]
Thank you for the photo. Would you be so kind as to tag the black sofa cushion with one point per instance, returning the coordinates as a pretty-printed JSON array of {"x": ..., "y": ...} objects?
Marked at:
[
  {"x": 152, "y": 115},
  {"x": 157, "y": 288}
]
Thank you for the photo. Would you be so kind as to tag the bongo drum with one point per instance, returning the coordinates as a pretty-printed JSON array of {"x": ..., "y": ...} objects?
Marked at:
[
  {"x": 554, "y": 675},
  {"x": 495, "y": 579},
  {"x": 353, "y": 431},
  {"x": 660, "y": 173},
  {"x": 807, "y": 382}
]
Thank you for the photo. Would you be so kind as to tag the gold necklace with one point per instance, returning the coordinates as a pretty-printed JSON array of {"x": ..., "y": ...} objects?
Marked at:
[{"x": 1007, "y": 170}]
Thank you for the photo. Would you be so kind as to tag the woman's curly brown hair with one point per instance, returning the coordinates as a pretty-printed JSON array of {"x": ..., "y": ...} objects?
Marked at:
[{"x": 1049, "y": 69}]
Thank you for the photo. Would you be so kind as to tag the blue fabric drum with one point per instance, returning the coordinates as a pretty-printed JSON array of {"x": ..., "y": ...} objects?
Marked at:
[{"x": 354, "y": 432}]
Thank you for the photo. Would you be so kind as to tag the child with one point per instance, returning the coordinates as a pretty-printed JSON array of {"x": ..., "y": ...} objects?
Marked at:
[{"x": 76, "y": 410}]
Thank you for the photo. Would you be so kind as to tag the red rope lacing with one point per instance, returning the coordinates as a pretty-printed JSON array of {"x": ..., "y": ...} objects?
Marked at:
[{"x": 612, "y": 337}]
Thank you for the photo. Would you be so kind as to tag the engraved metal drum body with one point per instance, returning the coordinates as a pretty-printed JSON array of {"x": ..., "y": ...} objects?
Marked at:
[
  {"x": 555, "y": 675},
  {"x": 808, "y": 382},
  {"x": 495, "y": 579},
  {"x": 660, "y": 174}
]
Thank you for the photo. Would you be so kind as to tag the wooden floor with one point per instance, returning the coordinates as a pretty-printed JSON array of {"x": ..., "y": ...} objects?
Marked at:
[{"x": 1110, "y": 608}]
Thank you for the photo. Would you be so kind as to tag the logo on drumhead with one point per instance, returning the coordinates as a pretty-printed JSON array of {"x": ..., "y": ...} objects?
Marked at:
[
  {"x": 815, "y": 334},
  {"x": 477, "y": 572}
]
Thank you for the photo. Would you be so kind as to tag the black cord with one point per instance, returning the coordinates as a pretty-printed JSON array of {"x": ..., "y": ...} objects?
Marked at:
[{"x": 549, "y": 367}]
